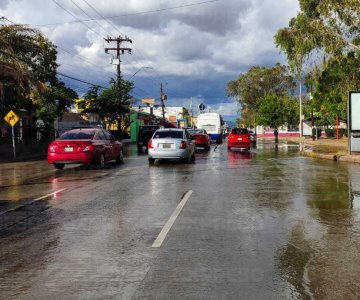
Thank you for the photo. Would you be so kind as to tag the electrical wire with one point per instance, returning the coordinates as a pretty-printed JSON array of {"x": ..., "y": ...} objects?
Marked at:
[
  {"x": 130, "y": 14},
  {"x": 71, "y": 14}
]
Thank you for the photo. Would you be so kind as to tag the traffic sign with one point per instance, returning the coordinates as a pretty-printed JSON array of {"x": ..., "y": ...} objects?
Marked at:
[
  {"x": 201, "y": 106},
  {"x": 11, "y": 118}
]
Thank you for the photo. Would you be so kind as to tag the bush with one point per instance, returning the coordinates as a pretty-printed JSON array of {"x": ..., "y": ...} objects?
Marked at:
[
  {"x": 319, "y": 129},
  {"x": 330, "y": 132},
  {"x": 343, "y": 132}
]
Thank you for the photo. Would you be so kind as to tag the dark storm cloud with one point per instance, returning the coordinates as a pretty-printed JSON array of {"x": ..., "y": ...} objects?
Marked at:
[
  {"x": 3, "y": 4},
  {"x": 217, "y": 17}
]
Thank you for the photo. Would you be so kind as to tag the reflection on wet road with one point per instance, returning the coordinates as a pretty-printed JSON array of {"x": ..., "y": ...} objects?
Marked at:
[{"x": 264, "y": 224}]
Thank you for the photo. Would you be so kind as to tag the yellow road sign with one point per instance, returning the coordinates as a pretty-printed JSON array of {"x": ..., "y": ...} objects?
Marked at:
[{"x": 11, "y": 118}]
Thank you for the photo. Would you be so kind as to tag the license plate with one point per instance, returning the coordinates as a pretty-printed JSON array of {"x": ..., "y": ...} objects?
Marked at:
[
  {"x": 69, "y": 149},
  {"x": 166, "y": 146},
  {"x": 239, "y": 139}
]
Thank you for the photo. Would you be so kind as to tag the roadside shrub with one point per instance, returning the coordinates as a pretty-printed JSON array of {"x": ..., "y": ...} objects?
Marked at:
[
  {"x": 319, "y": 129},
  {"x": 330, "y": 132},
  {"x": 343, "y": 132}
]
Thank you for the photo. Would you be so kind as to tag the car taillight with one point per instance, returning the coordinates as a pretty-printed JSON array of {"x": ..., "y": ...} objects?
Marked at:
[
  {"x": 150, "y": 145},
  {"x": 89, "y": 148},
  {"x": 183, "y": 145}
]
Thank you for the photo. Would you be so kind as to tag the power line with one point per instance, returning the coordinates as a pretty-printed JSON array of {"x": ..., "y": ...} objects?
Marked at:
[
  {"x": 114, "y": 26},
  {"x": 130, "y": 14},
  {"x": 76, "y": 79},
  {"x": 105, "y": 30},
  {"x": 101, "y": 16},
  {"x": 83, "y": 59},
  {"x": 78, "y": 20}
]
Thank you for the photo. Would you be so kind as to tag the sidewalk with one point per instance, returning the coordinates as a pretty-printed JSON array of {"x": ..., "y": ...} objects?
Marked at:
[{"x": 325, "y": 148}]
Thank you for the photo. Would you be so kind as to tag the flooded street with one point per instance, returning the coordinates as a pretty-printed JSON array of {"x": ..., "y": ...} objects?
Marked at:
[{"x": 264, "y": 224}]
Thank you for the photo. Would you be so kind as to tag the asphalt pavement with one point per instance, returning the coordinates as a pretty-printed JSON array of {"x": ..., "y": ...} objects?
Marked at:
[{"x": 264, "y": 224}]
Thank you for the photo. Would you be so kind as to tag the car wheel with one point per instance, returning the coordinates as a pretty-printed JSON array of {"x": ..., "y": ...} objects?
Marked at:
[
  {"x": 229, "y": 149},
  {"x": 102, "y": 161},
  {"x": 120, "y": 158},
  {"x": 193, "y": 157},
  {"x": 151, "y": 161},
  {"x": 207, "y": 148},
  {"x": 59, "y": 166}
]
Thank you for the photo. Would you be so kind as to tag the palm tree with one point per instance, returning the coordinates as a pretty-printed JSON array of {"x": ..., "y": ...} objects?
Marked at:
[{"x": 17, "y": 46}]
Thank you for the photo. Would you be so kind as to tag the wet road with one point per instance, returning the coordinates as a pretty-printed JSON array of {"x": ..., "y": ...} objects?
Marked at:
[{"x": 268, "y": 224}]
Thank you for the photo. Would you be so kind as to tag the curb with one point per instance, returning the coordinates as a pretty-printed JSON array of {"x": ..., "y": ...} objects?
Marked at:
[{"x": 333, "y": 157}]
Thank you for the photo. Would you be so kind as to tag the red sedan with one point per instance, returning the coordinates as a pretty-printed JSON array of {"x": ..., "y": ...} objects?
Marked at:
[
  {"x": 202, "y": 139},
  {"x": 84, "y": 146},
  {"x": 239, "y": 138}
]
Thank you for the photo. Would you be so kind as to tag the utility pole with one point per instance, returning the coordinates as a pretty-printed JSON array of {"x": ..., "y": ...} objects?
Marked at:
[
  {"x": 162, "y": 98},
  {"x": 119, "y": 51},
  {"x": 192, "y": 112}
]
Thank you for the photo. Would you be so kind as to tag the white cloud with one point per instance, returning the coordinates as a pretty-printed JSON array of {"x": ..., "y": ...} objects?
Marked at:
[{"x": 195, "y": 49}]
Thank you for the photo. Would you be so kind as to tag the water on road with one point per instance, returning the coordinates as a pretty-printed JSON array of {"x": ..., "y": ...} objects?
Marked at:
[{"x": 264, "y": 224}]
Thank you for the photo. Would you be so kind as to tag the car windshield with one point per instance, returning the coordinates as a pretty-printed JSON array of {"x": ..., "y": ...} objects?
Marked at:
[
  {"x": 195, "y": 131},
  {"x": 168, "y": 134},
  {"x": 77, "y": 135},
  {"x": 239, "y": 131},
  {"x": 147, "y": 131}
]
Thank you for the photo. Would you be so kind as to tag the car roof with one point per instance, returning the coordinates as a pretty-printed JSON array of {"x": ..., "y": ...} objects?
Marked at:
[
  {"x": 84, "y": 129},
  {"x": 171, "y": 129}
]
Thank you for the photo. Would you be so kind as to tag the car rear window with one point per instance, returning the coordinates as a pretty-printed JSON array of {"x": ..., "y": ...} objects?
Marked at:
[
  {"x": 147, "y": 131},
  {"x": 148, "y": 128},
  {"x": 194, "y": 131},
  {"x": 77, "y": 135},
  {"x": 168, "y": 134},
  {"x": 239, "y": 131}
]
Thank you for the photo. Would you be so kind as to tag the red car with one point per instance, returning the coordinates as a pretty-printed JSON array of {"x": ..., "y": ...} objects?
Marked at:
[
  {"x": 84, "y": 146},
  {"x": 239, "y": 138},
  {"x": 202, "y": 139}
]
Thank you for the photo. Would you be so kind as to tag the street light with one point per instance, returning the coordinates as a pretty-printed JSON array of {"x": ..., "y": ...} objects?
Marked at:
[{"x": 139, "y": 71}]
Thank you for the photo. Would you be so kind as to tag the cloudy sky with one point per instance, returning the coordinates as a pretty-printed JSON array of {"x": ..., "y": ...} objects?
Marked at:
[{"x": 194, "y": 47}]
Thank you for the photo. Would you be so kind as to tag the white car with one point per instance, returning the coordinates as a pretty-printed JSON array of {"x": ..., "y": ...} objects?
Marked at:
[{"x": 171, "y": 143}]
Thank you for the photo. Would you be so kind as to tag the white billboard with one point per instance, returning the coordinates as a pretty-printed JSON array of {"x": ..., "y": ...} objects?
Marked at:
[{"x": 354, "y": 111}]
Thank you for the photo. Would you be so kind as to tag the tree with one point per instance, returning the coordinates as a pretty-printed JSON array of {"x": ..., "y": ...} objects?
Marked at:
[
  {"x": 28, "y": 74},
  {"x": 16, "y": 42},
  {"x": 275, "y": 111},
  {"x": 113, "y": 104},
  {"x": 329, "y": 26},
  {"x": 331, "y": 86},
  {"x": 250, "y": 88},
  {"x": 323, "y": 28}
]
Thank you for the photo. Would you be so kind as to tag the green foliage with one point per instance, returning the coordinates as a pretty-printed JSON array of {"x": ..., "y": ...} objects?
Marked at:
[
  {"x": 28, "y": 74},
  {"x": 330, "y": 132},
  {"x": 252, "y": 87},
  {"x": 113, "y": 103},
  {"x": 329, "y": 26},
  {"x": 328, "y": 29},
  {"x": 316, "y": 132},
  {"x": 343, "y": 132},
  {"x": 275, "y": 111},
  {"x": 333, "y": 85},
  {"x": 258, "y": 82}
]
